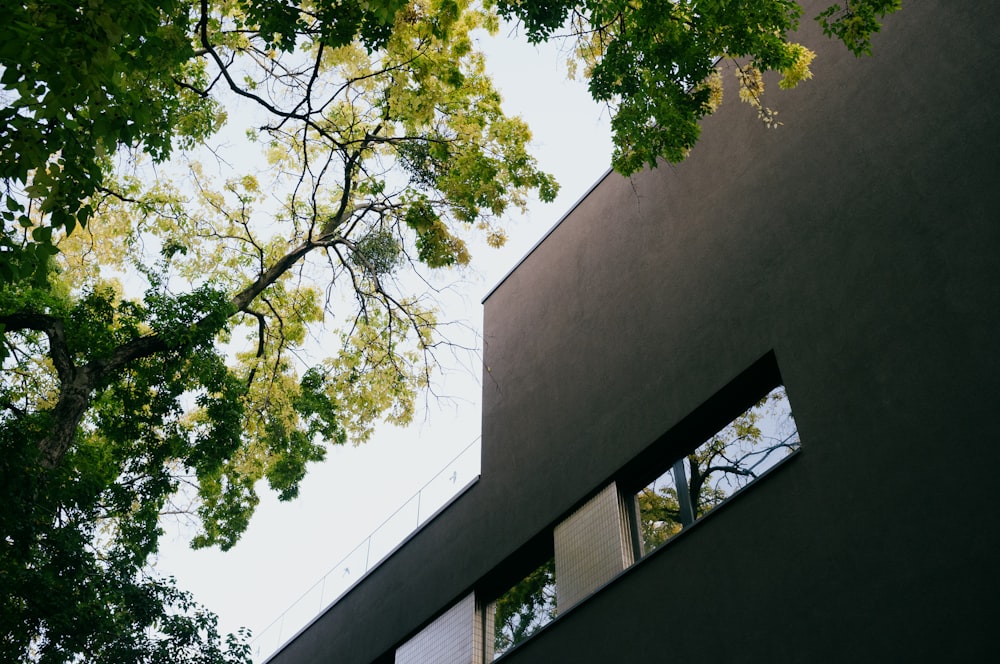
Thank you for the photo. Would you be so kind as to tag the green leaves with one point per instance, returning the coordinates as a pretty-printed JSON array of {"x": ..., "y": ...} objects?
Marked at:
[
  {"x": 64, "y": 595},
  {"x": 160, "y": 325},
  {"x": 318, "y": 409},
  {"x": 435, "y": 245},
  {"x": 78, "y": 83},
  {"x": 650, "y": 60},
  {"x": 856, "y": 22},
  {"x": 333, "y": 23},
  {"x": 379, "y": 252},
  {"x": 188, "y": 319}
]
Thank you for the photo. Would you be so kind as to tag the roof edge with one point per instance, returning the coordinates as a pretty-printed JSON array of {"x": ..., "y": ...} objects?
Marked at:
[{"x": 549, "y": 232}]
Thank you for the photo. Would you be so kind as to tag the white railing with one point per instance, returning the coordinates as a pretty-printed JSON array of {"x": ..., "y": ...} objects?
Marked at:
[{"x": 441, "y": 488}]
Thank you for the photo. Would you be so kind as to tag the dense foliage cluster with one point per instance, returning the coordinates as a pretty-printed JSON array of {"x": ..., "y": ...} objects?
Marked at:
[
  {"x": 656, "y": 63},
  {"x": 158, "y": 296}
]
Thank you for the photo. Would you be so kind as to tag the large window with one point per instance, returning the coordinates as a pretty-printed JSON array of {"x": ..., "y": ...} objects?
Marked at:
[
  {"x": 606, "y": 533},
  {"x": 697, "y": 483}
]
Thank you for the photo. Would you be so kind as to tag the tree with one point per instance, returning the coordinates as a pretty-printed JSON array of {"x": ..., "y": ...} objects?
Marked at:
[
  {"x": 157, "y": 302},
  {"x": 127, "y": 385},
  {"x": 78, "y": 83},
  {"x": 136, "y": 73}
]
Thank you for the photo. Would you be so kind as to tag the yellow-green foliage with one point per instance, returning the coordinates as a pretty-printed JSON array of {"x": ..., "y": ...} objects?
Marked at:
[{"x": 180, "y": 341}]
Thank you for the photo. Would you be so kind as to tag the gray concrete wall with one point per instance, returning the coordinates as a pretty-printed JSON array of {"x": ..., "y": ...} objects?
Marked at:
[{"x": 856, "y": 247}]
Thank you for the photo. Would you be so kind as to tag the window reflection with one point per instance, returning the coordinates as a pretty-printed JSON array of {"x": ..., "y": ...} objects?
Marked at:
[{"x": 752, "y": 443}]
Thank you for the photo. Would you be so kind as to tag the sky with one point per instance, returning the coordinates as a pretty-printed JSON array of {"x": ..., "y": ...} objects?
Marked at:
[{"x": 289, "y": 547}]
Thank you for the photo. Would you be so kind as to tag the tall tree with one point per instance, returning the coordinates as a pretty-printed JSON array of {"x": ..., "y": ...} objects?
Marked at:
[
  {"x": 157, "y": 359},
  {"x": 157, "y": 301}
]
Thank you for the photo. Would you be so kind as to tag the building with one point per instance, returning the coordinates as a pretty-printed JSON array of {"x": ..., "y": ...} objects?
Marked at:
[{"x": 853, "y": 256}]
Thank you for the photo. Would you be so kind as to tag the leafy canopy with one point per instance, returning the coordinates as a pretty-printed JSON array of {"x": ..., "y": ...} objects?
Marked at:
[
  {"x": 656, "y": 63},
  {"x": 161, "y": 361},
  {"x": 161, "y": 292}
]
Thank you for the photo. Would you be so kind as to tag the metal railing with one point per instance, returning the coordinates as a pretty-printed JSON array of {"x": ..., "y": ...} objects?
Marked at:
[{"x": 406, "y": 520}]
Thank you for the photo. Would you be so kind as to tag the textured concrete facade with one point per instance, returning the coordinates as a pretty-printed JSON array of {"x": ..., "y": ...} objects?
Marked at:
[{"x": 852, "y": 254}]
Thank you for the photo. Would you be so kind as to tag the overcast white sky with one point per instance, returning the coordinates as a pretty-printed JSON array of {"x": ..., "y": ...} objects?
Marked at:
[{"x": 289, "y": 546}]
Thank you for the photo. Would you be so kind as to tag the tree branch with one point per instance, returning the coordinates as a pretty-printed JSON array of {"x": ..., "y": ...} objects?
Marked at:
[{"x": 53, "y": 329}]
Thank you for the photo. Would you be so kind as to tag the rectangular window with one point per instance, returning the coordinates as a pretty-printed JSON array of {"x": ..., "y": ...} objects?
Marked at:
[
  {"x": 755, "y": 441},
  {"x": 524, "y": 609}
]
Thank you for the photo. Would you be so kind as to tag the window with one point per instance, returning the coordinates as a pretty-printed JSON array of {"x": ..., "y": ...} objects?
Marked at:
[
  {"x": 604, "y": 535},
  {"x": 755, "y": 441},
  {"x": 524, "y": 609}
]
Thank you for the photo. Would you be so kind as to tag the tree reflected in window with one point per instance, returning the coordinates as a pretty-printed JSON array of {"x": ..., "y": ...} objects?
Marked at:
[
  {"x": 751, "y": 444},
  {"x": 525, "y": 608}
]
